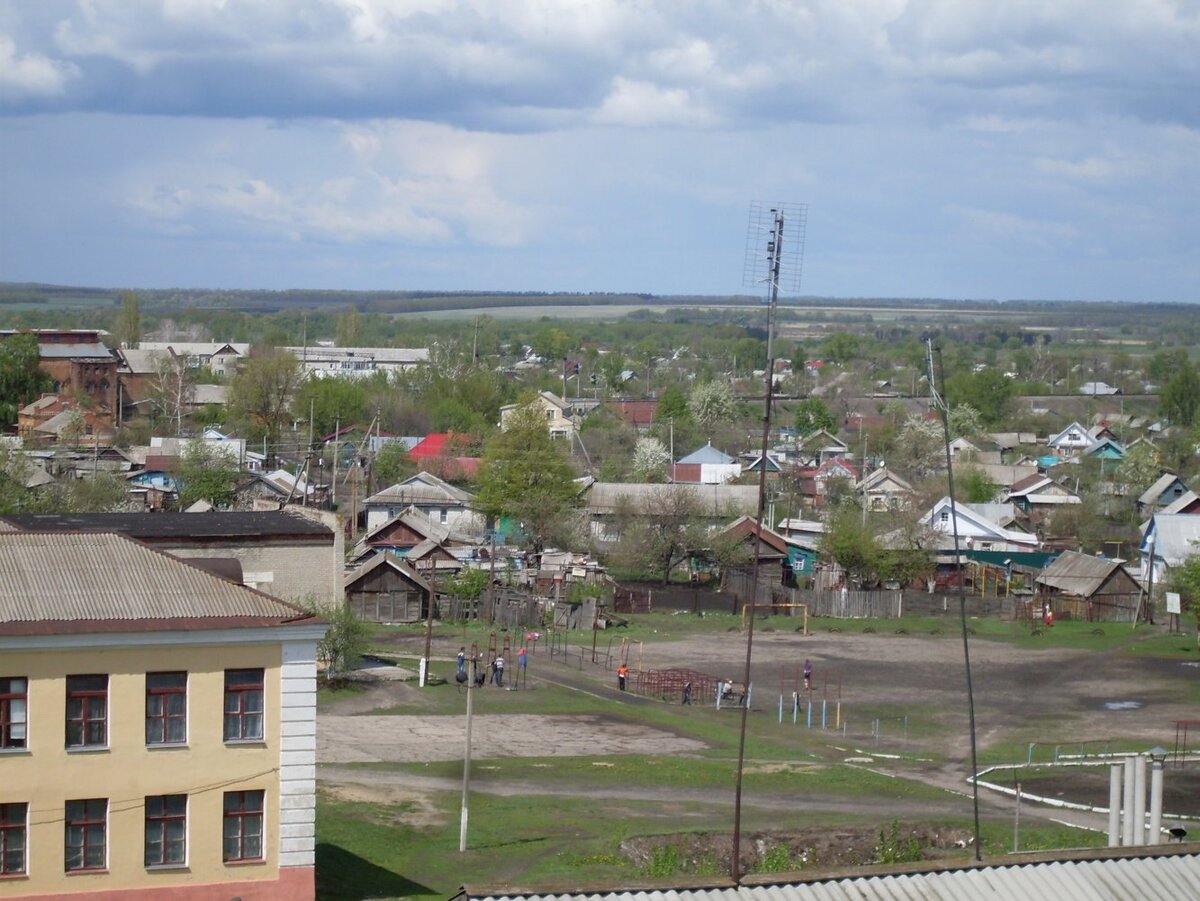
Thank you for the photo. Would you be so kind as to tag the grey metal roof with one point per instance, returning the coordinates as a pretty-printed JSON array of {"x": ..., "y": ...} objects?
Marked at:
[
  {"x": 1155, "y": 491},
  {"x": 714, "y": 500},
  {"x": 171, "y": 527},
  {"x": 423, "y": 488},
  {"x": 70, "y": 576},
  {"x": 95, "y": 351},
  {"x": 1154, "y": 877},
  {"x": 707, "y": 454},
  {"x": 1176, "y": 537}
]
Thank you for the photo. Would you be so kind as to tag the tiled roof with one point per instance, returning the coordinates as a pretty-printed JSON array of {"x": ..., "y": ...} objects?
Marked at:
[{"x": 77, "y": 582}]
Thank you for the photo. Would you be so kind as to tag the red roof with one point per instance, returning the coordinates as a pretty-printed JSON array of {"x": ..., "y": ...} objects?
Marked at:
[
  {"x": 637, "y": 413},
  {"x": 440, "y": 444}
]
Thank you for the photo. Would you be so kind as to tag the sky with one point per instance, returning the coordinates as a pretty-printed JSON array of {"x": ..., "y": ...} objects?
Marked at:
[{"x": 1029, "y": 149}]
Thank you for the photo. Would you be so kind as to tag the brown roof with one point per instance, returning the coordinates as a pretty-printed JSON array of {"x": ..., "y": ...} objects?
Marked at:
[{"x": 102, "y": 582}]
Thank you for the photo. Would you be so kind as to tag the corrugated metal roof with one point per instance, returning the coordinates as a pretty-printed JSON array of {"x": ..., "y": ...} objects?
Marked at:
[
  {"x": 171, "y": 527},
  {"x": 713, "y": 500},
  {"x": 1167, "y": 877},
  {"x": 95, "y": 351},
  {"x": 70, "y": 576}
]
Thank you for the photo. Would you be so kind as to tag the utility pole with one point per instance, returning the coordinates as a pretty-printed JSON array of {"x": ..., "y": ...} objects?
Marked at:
[
  {"x": 492, "y": 577},
  {"x": 466, "y": 789},
  {"x": 337, "y": 428},
  {"x": 429, "y": 618}
]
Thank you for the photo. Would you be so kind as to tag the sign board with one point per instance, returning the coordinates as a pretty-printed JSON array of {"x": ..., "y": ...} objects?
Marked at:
[{"x": 1173, "y": 603}]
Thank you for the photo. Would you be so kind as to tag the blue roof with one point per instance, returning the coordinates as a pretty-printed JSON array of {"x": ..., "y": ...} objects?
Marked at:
[{"x": 707, "y": 454}]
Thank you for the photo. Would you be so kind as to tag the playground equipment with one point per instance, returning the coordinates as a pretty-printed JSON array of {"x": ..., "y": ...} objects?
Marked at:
[
  {"x": 791, "y": 683},
  {"x": 668, "y": 684}
]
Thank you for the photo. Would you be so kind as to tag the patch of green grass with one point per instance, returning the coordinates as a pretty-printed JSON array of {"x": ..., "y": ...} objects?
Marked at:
[{"x": 328, "y": 694}]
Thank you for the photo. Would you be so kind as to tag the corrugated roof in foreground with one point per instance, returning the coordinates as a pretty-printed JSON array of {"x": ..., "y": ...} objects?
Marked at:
[
  {"x": 1161, "y": 874},
  {"x": 71, "y": 581}
]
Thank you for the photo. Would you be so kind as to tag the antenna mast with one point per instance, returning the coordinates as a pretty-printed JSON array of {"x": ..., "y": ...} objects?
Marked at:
[{"x": 782, "y": 264}]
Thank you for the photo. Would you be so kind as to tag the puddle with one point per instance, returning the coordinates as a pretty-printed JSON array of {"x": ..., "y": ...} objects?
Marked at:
[{"x": 1122, "y": 705}]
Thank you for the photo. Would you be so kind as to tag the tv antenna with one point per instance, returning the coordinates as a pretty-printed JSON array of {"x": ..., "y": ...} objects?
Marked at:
[{"x": 775, "y": 258}]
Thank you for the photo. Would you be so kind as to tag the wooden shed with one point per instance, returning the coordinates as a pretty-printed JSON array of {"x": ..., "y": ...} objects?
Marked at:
[
  {"x": 1080, "y": 586},
  {"x": 386, "y": 589}
]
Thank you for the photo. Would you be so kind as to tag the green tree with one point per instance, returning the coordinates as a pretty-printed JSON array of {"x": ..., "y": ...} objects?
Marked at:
[
  {"x": 262, "y": 390},
  {"x": 21, "y": 381},
  {"x": 330, "y": 401},
  {"x": 988, "y": 391},
  {"x": 347, "y": 328},
  {"x": 712, "y": 403},
  {"x": 812, "y": 416},
  {"x": 974, "y": 486},
  {"x": 1138, "y": 470},
  {"x": 672, "y": 404},
  {"x": 346, "y": 637},
  {"x": 525, "y": 476},
  {"x": 841, "y": 347},
  {"x": 1180, "y": 400},
  {"x": 206, "y": 473},
  {"x": 965, "y": 422},
  {"x": 128, "y": 328},
  {"x": 662, "y": 530},
  {"x": 393, "y": 464},
  {"x": 851, "y": 544}
]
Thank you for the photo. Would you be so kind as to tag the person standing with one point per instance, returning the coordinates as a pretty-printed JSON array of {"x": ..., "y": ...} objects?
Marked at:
[
  {"x": 687, "y": 692},
  {"x": 500, "y": 672},
  {"x": 622, "y": 674},
  {"x": 462, "y": 662},
  {"x": 808, "y": 671}
]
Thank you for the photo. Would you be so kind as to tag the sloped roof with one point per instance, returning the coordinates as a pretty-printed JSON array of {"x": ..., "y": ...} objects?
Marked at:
[
  {"x": 171, "y": 527},
  {"x": 1154, "y": 492},
  {"x": 56, "y": 582},
  {"x": 1176, "y": 537},
  {"x": 389, "y": 560},
  {"x": 707, "y": 454},
  {"x": 1078, "y": 574},
  {"x": 873, "y": 480},
  {"x": 422, "y": 488},
  {"x": 1181, "y": 503},
  {"x": 714, "y": 500},
  {"x": 415, "y": 520},
  {"x": 1156, "y": 873}
]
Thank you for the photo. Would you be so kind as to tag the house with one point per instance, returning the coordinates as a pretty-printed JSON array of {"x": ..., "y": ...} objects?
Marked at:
[
  {"x": 1105, "y": 448},
  {"x": 817, "y": 484},
  {"x": 802, "y": 531},
  {"x": 292, "y": 556},
  {"x": 1091, "y": 588},
  {"x": 439, "y": 500},
  {"x": 162, "y": 742},
  {"x": 774, "y": 468},
  {"x": 1098, "y": 389},
  {"x": 768, "y": 550},
  {"x": 1037, "y": 495},
  {"x": 1167, "y": 489},
  {"x": 1188, "y": 502},
  {"x": 561, "y": 420},
  {"x": 637, "y": 414},
  {"x": 222, "y": 357},
  {"x": 358, "y": 362},
  {"x": 1004, "y": 474},
  {"x": 280, "y": 486},
  {"x": 444, "y": 454},
  {"x": 884, "y": 490},
  {"x": 975, "y": 531},
  {"x": 387, "y": 589},
  {"x": 608, "y": 502},
  {"x": 821, "y": 446},
  {"x": 78, "y": 362},
  {"x": 402, "y": 534},
  {"x": 1169, "y": 540},
  {"x": 706, "y": 466},
  {"x": 1071, "y": 441}
]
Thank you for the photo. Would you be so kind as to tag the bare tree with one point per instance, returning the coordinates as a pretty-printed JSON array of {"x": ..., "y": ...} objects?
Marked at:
[{"x": 173, "y": 388}]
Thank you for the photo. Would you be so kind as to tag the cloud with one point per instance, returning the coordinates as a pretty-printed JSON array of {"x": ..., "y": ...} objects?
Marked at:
[
  {"x": 1010, "y": 225},
  {"x": 639, "y": 104},
  {"x": 31, "y": 75}
]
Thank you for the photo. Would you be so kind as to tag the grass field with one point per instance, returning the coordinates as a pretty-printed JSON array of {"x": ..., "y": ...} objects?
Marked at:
[{"x": 391, "y": 829}]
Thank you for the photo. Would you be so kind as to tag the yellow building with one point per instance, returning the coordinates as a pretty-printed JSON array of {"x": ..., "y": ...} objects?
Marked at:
[{"x": 157, "y": 727}]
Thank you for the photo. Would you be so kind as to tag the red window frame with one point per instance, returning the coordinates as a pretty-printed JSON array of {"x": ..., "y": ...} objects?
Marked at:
[
  {"x": 159, "y": 717},
  {"x": 162, "y": 811},
  {"x": 81, "y": 819},
  {"x": 89, "y": 719},
  {"x": 8, "y": 694},
  {"x": 242, "y": 810},
  {"x": 13, "y": 822},
  {"x": 243, "y": 720}
]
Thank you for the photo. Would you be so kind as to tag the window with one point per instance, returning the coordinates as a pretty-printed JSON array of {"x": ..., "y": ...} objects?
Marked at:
[
  {"x": 87, "y": 827},
  {"x": 166, "y": 830},
  {"x": 14, "y": 696},
  {"x": 12, "y": 839},
  {"x": 243, "y": 831},
  {"x": 87, "y": 711},
  {"x": 243, "y": 705},
  {"x": 944, "y": 517},
  {"x": 166, "y": 708}
]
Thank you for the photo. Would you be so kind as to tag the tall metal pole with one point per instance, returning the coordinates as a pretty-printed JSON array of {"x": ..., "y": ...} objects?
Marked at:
[
  {"x": 962, "y": 591},
  {"x": 429, "y": 619},
  {"x": 775, "y": 250},
  {"x": 466, "y": 789}
]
